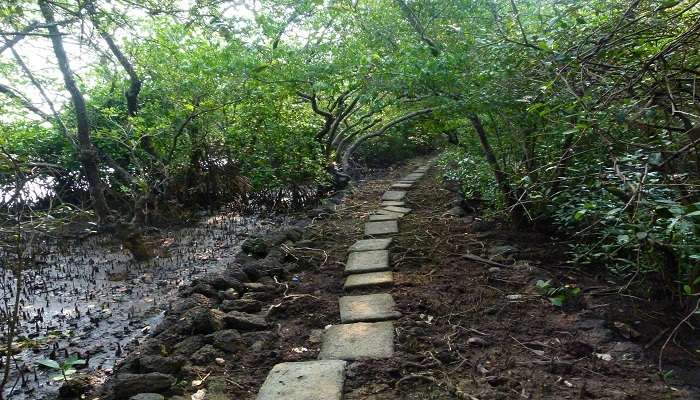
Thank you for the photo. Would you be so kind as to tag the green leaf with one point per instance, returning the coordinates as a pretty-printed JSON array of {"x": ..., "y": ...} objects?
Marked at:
[{"x": 48, "y": 363}]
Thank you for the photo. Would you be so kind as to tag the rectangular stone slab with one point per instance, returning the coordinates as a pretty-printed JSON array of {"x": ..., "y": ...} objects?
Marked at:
[
  {"x": 383, "y": 217},
  {"x": 367, "y": 261},
  {"x": 357, "y": 281},
  {"x": 381, "y": 228},
  {"x": 402, "y": 210},
  {"x": 413, "y": 176},
  {"x": 311, "y": 380},
  {"x": 401, "y": 185},
  {"x": 394, "y": 195},
  {"x": 369, "y": 308},
  {"x": 371, "y": 244},
  {"x": 361, "y": 340},
  {"x": 384, "y": 211},
  {"x": 394, "y": 203}
]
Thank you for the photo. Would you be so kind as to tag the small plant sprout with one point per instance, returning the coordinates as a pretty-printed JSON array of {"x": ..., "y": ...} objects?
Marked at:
[
  {"x": 557, "y": 295},
  {"x": 66, "y": 368}
]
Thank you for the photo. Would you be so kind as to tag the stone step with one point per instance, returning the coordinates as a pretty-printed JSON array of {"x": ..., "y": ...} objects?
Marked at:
[
  {"x": 383, "y": 217},
  {"x": 394, "y": 195},
  {"x": 376, "y": 228},
  {"x": 358, "y": 341},
  {"x": 400, "y": 185},
  {"x": 394, "y": 203},
  {"x": 371, "y": 279},
  {"x": 371, "y": 244},
  {"x": 384, "y": 211},
  {"x": 368, "y": 308},
  {"x": 310, "y": 380},
  {"x": 395, "y": 209},
  {"x": 413, "y": 176},
  {"x": 367, "y": 261}
]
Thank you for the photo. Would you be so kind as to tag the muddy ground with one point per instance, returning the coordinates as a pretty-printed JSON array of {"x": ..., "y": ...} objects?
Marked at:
[
  {"x": 470, "y": 330},
  {"x": 88, "y": 299}
]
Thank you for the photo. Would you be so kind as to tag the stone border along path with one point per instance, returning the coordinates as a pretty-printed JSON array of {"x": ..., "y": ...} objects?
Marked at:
[{"x": 367, "y": 330}]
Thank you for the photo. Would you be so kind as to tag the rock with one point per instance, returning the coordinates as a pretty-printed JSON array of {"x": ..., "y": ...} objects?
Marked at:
[
  {"x": 206, "y": 290},
  {"x": 476, "y": 341},
  {"x": 200, "y": 320},
  {"x": 189, "y": 345},
  {"x": 252, "y": 272},
  {"x": 255, "y": 246},
  {"x": 230, "y": 294},
  {"x": 294, "y": 234},
  {"x": 224, "y": 280},
  {"x": 456, "y": 211},
  {"x": 127, "y": 385},
  {"x": 228, "y": 340},
  {"x": 257, "y": 287},
  {"x": 190, "y": 301},
  {"x": 147, "y": 396},
  {"x": 205, "y": 355},
  {"x": 244, "y": 321},
  {"x": 157, "y": 363},
  {"x": 219, "y": 361},
  {"x": 259, "y": 296},
  {"x": 244, "y": 305},
  {"x": 75, "y": 387}
]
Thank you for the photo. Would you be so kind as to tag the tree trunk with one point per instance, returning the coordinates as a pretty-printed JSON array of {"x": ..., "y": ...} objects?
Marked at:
[
  {"x": 87, "y": 153},
  {"x": 516, "y": 211},
  {"x": 351, "y": 149}
]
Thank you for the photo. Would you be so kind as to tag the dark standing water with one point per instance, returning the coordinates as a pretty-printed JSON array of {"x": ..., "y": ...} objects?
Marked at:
[{"x": 91, "y": 300}]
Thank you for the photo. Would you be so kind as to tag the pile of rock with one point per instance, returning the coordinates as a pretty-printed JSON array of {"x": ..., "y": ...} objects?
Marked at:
[{"x": 218, "y": 316}]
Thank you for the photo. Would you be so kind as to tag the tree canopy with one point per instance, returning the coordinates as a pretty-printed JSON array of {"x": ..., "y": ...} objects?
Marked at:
[{"x": 578, "y": 116}]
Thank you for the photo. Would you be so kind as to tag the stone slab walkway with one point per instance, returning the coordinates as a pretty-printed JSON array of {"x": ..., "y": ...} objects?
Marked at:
[
  {"x": 402, "y": 210},
  {"x": 367, "y": 261},
  {"x": 366, "y": 331},
  {"x": 372, "y": 279},
  {"x": 393, "y": 203},
  {"x": 311, "y": 380},
  {"x": 384, "y": 217},
  {"x": 368, "y": 308},
  {"x": 371, "y": 244},
  {"x": 381, "y": 228},
  {"x": 394, "y": 195},
  {"x": 357, "y": 341}
]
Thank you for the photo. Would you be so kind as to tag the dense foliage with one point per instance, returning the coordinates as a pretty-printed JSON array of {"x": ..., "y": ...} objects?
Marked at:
[{"x": 582, "y": 116}]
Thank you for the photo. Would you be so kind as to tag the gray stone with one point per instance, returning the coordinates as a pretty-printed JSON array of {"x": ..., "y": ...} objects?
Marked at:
[
  {"x": 369, "y": 308},
  {"x": 395, "y": 209},
  {"x": 148, "y": 396},
  {"x": 244, "y": 321},
  {"x": 358, "y": 341},
  {"x": 127, "y": 385},
  {"x": 311, "y": 380},
  {"x": 401, "y": 185},
  {"x": 205, "y": 355},
  {"x": 393, "y": 195},
  {"x": 367, "y": 261},
  {"x": 456, "y": 211},
  {"x": 370, "y": 279},
  {"x": 414, "y": 175},
  {"x": 382, "y": 211},
  {"x": 393, "y": 203},
  {"x": 228, "y": 340},
  {"x": 381, "y": 228},
  {"x": 383, "y": 217},
  {"x": 371, "y": 244}
]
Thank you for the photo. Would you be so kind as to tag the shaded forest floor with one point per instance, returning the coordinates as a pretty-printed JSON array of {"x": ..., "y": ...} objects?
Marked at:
[{"x": 469, "y": 330}]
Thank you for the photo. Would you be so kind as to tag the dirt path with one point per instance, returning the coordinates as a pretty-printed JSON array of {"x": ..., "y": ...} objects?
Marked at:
[{"x": 468, "y": 330}]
